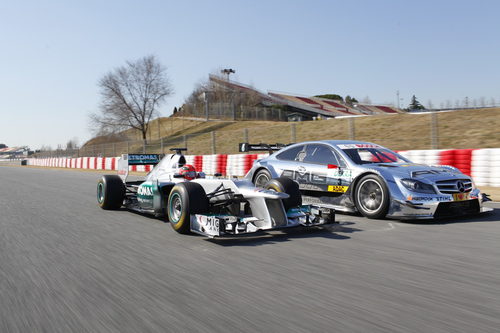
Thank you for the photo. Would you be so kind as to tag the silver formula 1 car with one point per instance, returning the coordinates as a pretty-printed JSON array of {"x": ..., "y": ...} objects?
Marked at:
[
  {"x": 354, "y": 176},
  {"x": 210, "y": 207}
]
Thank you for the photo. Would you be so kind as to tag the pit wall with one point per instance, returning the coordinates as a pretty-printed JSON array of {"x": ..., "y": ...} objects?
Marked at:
[{"x": 482, "y": 164}]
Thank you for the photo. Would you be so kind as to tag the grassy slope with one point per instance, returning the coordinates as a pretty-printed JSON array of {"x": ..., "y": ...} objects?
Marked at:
[{"x": 459, "y": 129}]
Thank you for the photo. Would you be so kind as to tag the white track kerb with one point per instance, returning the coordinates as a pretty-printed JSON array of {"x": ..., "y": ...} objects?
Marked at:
[{"x": 482, "y": 164}]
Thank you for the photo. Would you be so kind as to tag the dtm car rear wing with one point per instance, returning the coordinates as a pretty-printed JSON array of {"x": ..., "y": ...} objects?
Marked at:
[
  {"x": 246, "y": 147},
  {"x": 136, "y": 159}
]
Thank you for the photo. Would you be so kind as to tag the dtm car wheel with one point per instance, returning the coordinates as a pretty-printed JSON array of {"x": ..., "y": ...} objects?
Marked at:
[
  {"x": 372, "y": 197},
  {"x": 288, "y": 186},
  {"x": 110, "y": 192},
  {"x": 184, "y": 200},
  {"x": 262, "y": 177}
]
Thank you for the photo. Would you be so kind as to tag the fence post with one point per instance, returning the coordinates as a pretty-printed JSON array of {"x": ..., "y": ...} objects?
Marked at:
[
  {"x": 245, "y": 135},
  {"x": 293, "y": 132},
  {"x": 213, "y": 142},
  {"x": 352, "y": 129},
  {"x": 434, "y": 131}
]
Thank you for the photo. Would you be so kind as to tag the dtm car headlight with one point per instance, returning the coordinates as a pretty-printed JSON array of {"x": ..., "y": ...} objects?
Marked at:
[{"x": 417, "y": 186}]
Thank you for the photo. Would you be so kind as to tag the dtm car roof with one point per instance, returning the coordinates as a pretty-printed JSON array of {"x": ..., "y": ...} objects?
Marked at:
[{"x": 338, "y": 142}]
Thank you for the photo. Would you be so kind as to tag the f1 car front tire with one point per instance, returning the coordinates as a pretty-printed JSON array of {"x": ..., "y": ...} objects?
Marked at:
[
  {"x": 288, "y": 186},
  {"x": 262, "y": 177},
  {"x": 372, "y": 197},
  {"x": 110, "y": 192},
  {"x": 186, "y": 199}
]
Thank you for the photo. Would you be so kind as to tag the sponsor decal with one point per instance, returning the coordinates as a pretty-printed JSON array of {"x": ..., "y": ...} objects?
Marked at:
[
  {"x": 301, "y": 170},
  {"x": 302, "y": 176},
  {"x": 440, "y": 199},
  {"x": 318, "y": 179},
  {"x": 143, "y": 158},
  {"x": 460, "y": 196},
  {"x": 209, "y": 223},
  {"x": 311, "y": 187},
  {"x": 359, "y": 145},
  {"x": 145, "y": 190},
  {"x": 340, "y": 173},
  {"x": 337, "y": 188}
]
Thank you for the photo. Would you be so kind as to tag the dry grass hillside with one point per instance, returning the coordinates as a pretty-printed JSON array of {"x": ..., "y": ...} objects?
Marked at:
[{"x": 459, "y": 129}]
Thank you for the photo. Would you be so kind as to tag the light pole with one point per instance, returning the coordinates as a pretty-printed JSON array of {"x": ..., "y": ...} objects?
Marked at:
[
  {"x": 205, "y": 97},
  {"x": 227, "y": 71}
]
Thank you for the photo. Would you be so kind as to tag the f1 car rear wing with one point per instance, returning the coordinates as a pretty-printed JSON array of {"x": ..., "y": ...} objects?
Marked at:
[
  {"x": 246, "y": 147},
  {"x": 136, "y": 159}
]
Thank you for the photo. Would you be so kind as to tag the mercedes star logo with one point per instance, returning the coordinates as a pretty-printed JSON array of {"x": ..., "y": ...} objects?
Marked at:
[{"x": 460, "y": 187}]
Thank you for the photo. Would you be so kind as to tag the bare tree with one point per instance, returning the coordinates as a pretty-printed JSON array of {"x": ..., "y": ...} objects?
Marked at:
[
  {"x": 492, "y": 101},
  {"x": 131, "y": 95},
  {"x": 466, "y": 102},
  {"x": 366, "y": 100},
  {"x": 448, "y": 104},
  {"x": 72, "y": 144},
  {"x": 482, "y": 101},
  {"x": 430, "y": 105}
]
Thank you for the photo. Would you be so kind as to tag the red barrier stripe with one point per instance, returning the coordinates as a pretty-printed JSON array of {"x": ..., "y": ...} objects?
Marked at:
[{"x": 198, "y": 163}]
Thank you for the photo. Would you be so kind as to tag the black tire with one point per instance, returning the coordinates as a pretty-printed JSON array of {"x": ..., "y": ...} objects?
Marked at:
[
  {"x": 185, "y": 199},
  {"x": 261, "y": 178},
  {"x": 110, "y": 192},
  {"x": 288, "y": 186},
  {"x": 372, "y": 197}
]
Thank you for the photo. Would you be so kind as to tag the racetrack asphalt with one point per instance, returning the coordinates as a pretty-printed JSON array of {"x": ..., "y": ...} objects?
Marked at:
[{"x": 68, "y": 266}]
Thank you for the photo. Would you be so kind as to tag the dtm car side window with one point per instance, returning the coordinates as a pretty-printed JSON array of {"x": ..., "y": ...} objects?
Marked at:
[
  {"x": 290, "y": 154},
  {"x": 341, "y": 160},
  {"x": 320, "y": 154}
]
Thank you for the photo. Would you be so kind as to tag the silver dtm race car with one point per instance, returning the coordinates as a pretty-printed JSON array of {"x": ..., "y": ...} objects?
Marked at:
[
  {"x": 354, "y": 176},
  {"x": 210, "y": 207}
]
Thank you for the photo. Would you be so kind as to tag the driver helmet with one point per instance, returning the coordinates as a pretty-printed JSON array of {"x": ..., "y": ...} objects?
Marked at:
[{"x": 188, "y": 171}]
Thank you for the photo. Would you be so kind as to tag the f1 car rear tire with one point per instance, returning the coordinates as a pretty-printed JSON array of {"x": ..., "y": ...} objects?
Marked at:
[
  {"x": 288, "y": 186},
  {"x": 262, "y": 177},
  {"x": 185, "y": 199},
  {"x": 110, "y": 192},
  {"x": 372, "y": 197}
]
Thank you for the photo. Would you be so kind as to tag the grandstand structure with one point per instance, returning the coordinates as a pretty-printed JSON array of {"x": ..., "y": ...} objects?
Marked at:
[
  {"x": 13, "y": 152},
  {"x": 290, "y": 107}
]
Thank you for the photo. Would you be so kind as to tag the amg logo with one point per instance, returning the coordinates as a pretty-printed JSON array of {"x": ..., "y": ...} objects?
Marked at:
[{"x": 145, "y": 190}]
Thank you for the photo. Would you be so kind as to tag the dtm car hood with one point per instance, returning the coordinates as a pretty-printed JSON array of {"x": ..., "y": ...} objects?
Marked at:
[{"x": 418, "y": 171}]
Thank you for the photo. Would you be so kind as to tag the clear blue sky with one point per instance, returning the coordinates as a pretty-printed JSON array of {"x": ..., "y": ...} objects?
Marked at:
[{"x": 54, "y": 52}]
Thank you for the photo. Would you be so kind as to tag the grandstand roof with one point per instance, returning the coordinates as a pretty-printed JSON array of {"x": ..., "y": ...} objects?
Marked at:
[
  {"x": 310, "y": 105},
  {"x": 10, "y": 150}
]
